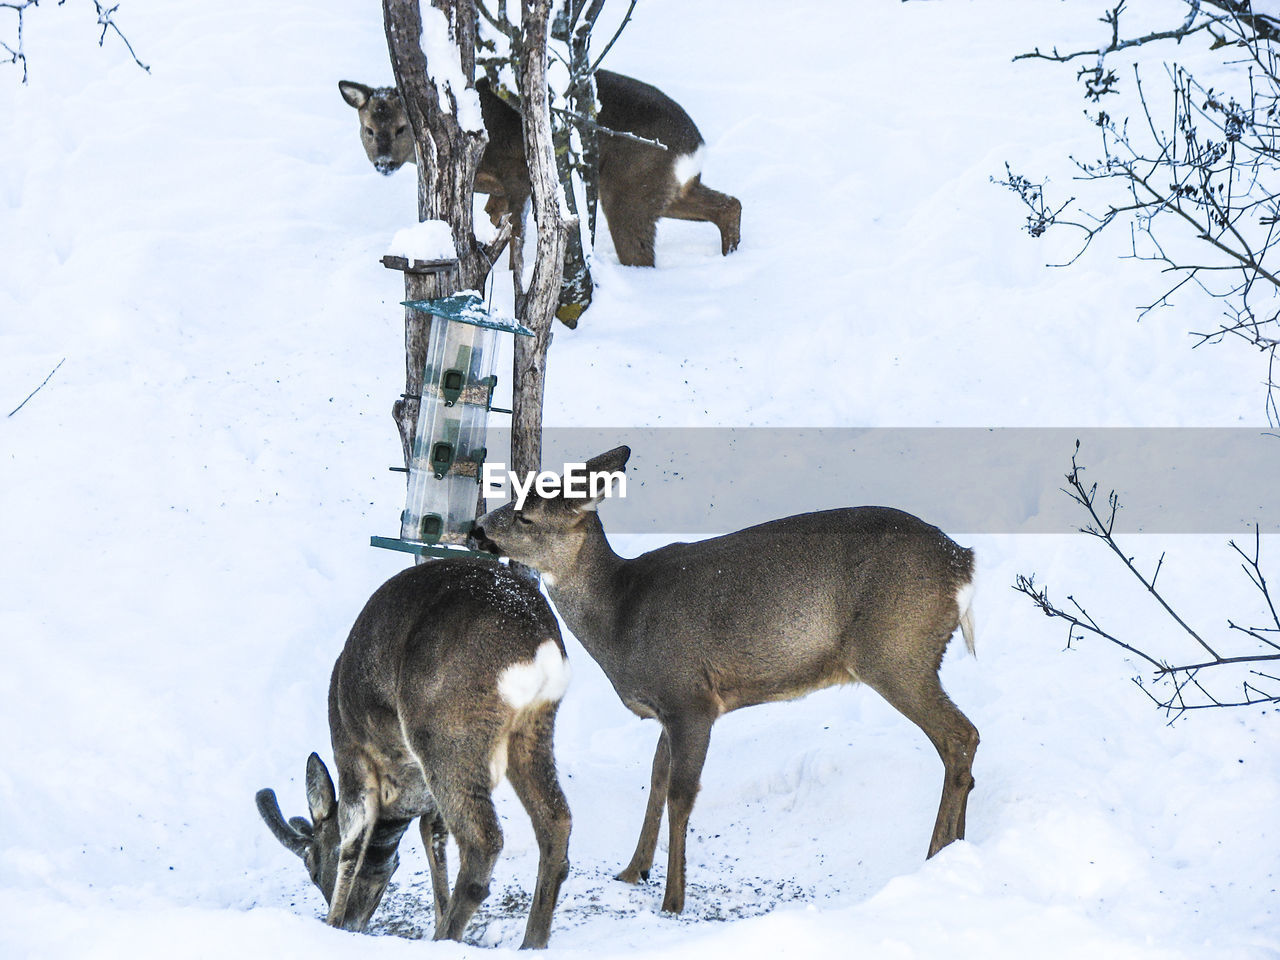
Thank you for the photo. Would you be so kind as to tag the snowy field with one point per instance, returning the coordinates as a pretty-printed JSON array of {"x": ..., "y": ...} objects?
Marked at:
[{"x": 185, "y": 507}]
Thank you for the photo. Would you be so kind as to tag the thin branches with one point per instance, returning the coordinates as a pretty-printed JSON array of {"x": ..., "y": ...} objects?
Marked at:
[
  {"x": 107, "y": 23},
  {"x": 1175, "y": 687},
  {"x": 1098, "y": 79},
  {"x": 16, "y": 50},
  {"x": 1200, "y": 192},
  {"x": 614, "y": 39},
  {"x": 575, "y": 128}
]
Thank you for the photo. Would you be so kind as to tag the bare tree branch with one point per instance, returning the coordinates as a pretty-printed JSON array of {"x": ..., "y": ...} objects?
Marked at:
[
  {"x": 1112, "y": 19},
  {"x": 1178, "y": 685},
  {"x": 107, "y": 23},
  {"x": 1212, "y": 176},
  {"x": 614, "y": 39},
  {"x": 16, "y": 50}
]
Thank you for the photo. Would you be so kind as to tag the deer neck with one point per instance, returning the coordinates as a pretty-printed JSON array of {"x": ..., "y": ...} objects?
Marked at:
[{"x": 585, "y": 591}]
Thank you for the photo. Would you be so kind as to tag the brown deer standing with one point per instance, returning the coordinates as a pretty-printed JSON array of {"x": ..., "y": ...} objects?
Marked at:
[
  {"x": 690, "y": 631},
  {"x": 639, "y": 183},
  {"x": 450, "y": 678}
]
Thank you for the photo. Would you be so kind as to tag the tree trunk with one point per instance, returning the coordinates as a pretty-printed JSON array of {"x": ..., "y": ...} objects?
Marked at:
[
  {"x": 536, "y": 307},
  {"x": 423, "y": 281},
  {"x": 448, "y": 154}
]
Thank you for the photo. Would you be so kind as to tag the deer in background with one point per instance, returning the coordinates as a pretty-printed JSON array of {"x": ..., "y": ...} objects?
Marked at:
[
  {"x": 640, "y": 183},
  {"x": 690, "y": 631},
  {"x": 449, "y": 680}
]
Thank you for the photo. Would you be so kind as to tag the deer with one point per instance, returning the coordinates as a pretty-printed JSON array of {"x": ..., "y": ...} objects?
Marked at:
[
  {"x": 690, "y": 631},
  {"x": 449, "y": 680},
  {"x": 641, "y": 180}
]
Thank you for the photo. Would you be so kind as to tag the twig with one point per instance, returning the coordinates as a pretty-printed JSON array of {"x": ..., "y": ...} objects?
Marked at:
[
  {"x": 37, "y": 389},
  {"x": 614, "y": 39},
  {"x": 105, "y": 17},
  {"x": 105, "y": 21},
  {"x": 17, "y": 54},
  {"x": 1104, "y": 533},
  {"x": 1027, "y": 585},
  {"x": 608, "y": 132}
]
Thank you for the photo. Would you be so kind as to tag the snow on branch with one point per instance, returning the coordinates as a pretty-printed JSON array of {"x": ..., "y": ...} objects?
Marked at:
[{"x": 1176, "y": 687}]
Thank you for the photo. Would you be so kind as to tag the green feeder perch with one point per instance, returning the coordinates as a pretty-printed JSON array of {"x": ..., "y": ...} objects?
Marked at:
[{"x": 447, "y": 459}]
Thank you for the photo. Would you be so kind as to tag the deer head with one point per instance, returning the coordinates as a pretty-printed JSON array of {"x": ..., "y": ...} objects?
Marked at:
[
  {"x": 384, "y": 125},
  {"x": 548, "y": 533},
  {"x": 317, "y": 842}
]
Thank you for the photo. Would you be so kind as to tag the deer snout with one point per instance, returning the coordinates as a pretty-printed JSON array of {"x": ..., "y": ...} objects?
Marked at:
[
  {"x": 476, "y": 540},
  {"x": 386, "y": 166}
]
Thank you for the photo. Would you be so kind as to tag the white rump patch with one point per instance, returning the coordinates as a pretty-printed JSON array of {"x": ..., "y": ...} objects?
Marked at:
[
  {"x": 688, "y": 166},
  {"x": 964, "y": 603},
  {"x": 543, "y": 680}
]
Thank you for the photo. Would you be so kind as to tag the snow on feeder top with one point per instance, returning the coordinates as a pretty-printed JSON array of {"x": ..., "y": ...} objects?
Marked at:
[{"x": 446, "y": 459}]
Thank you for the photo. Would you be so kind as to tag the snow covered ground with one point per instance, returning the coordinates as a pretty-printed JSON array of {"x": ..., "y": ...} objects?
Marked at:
[{"x": 185, "y": 507}]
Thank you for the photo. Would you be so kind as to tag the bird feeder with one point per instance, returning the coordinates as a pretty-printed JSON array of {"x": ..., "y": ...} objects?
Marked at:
[{"x": 446, "y": 461}]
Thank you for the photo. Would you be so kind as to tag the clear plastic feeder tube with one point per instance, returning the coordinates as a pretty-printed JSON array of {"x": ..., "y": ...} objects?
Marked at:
[{"x": 448, "y": 448}]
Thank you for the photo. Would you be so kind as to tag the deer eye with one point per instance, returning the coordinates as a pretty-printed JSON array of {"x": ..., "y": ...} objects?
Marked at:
[
  {"x": 521, "y": 518},
  {"x": 400, "y": 130},
  {"x": 368, "y": 131}
]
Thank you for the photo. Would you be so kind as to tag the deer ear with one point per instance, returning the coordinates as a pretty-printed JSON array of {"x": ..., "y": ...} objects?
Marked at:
[
  {"x": 611, "y": 462},
  {"x": 288, "y": 833},
  {"x": 356, "y": 94},
  {"x": 320, "y": 794},
  {"x": 614, "y": 462}
]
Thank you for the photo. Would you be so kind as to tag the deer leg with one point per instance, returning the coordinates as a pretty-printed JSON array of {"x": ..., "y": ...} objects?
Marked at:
[
  {"x": 701, "y": 203},
  {"x": 468, "y": 812},
  {"x": 690, "y": 738},
  {"x": 923, "y": 701},
  {"x": 455, "y": 765},
  {"x": 434, "y": 838},
  {"x": 642, "y": 859},
  {"x": 632, "y": 210},
  {"x": 357, "y": 818},
  {"x": 532, "y": 772}
]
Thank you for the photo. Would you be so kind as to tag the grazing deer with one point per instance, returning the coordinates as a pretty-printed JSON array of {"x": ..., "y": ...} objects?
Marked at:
[
  {"x": 690, "y": 631},
  {"x": 639, "y": 183},
  {"x": 450, "y": 679}
]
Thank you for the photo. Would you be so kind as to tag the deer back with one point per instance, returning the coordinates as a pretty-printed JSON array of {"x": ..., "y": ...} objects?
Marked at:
[
  {"x": 638, "y": 108},
  {"x": 432, "y": 646},
  {"x": 765, "y": 613},
  {"x": 503, "y": 169}
]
